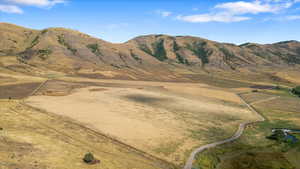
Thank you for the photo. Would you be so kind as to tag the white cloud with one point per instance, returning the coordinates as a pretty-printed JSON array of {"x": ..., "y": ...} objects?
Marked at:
[
  {"x": 10, "y": 9},
  {"x": 12, "y": 6},
  {"x": 218, "y": 17},
  {"x": 163, "y": 13},
  {"x": 239, "y": 10},
  {"x": 242, "y": 7},
  {"x": 39, "y": 3},
  {"x": 255, "y": 7}
]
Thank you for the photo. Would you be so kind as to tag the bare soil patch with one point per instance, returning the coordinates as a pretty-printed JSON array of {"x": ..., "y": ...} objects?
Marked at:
[{"x": 17, "y": 91}]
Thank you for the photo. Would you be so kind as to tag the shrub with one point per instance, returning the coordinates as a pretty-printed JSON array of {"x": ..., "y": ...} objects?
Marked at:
[
  {"x": 198, "y": 48},
  {"x": 94, "y": 48},
  {"x": 44, "y": 53},
  {"x": 34, "y": 42},
  {"x": 181, "y": 59},
  {"x": 89, "y": 158},
  {"x": 296, "y": 90},
  {"x": 278, "y": 135},
  {"x": 175, "y": 47},
  {"x": 159, "y": 50},
  {"x": 61, "y": 40},
  {"x": 145, "y": 48}
]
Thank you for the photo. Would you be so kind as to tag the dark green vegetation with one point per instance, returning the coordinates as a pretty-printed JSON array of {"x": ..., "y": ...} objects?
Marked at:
[
  {"x": 296, "y": 91},
  {"x": 146, "y": 49},
  {"x": 181, "y": 59},
  {"x": 175, "y": 46},
  {"x": 34, "y": 42},
  {"x": 62, "y": 41},
  {"x": 89, "y": 158},
  {"x": 95, "y": 49},
  {"x": 282, "y": 137},
  {"x": 254, "y": 150},
  {"x": 44, "y": 53},
  {"x": 198, "y": 48},
  {"x": 159, "y": 50}
]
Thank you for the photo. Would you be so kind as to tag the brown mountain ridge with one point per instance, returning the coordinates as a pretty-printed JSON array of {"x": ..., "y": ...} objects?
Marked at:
[{"x": 155, "y": 57}]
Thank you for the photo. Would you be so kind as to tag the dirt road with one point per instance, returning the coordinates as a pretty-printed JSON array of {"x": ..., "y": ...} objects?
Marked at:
[{"x": 239, "y": 132}]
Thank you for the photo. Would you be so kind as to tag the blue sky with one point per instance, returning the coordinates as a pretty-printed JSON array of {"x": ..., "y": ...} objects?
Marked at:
[{"x": 261, "y": 21}]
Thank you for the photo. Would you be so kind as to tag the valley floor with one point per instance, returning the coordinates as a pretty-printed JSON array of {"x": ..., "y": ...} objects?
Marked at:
[
  {"x": 125, "y": 124},
  {"x": 164, "y": 119}
]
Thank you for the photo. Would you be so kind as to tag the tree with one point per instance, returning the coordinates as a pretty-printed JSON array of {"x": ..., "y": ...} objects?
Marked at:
[
  {"x": 89, "y": 158},
  {"x": 296, "y": 90}
]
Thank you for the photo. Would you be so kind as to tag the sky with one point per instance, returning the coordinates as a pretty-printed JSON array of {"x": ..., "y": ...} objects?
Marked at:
[{"x": 231, "y": 21}]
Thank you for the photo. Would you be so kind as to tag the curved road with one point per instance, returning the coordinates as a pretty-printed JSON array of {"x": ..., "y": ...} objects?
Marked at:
[{"x": 238, "y": 133}]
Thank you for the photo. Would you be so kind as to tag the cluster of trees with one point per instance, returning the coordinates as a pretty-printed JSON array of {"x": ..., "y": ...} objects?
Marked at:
[
  {"x": 282, "y": 137},
  {"x": 296, "y": 90}
]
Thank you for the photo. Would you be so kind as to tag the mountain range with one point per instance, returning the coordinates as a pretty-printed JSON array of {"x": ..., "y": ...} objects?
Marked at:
[{"x": 155, "y": 57}]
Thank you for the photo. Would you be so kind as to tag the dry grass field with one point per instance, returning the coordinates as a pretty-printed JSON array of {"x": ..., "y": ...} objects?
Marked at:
[
  {"x": 167, "y": 120},
  {"x": 30, "y": 138}
]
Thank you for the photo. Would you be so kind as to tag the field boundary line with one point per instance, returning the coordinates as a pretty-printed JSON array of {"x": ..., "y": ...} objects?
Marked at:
[
  {"x": 81, "y": 143},
  {"x": 265, "y": 100},
  {"x": 36, "y": 89}
]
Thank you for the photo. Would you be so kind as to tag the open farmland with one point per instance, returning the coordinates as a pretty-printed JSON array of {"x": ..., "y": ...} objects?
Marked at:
[
  {"x": 31, "y": 138},
  {"x": 253, "y": 150},
  {"x": 156, "y": 117}
]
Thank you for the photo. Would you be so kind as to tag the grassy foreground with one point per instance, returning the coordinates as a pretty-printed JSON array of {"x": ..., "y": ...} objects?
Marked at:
[
  {"x": 253, "y": 150},
  {"x": 30, "y": 138}
]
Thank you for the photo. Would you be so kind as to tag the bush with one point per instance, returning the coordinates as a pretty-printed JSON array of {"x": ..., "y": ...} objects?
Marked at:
[
  {"x": 296, "y": 90},
  {"x": 44, "y": 53},
  {"x": 278, "y": 135},
  {"x": 199, "y": 49},
  {"x": 89, "y": 158},
  {"x": 159, "y": 50},
  {"x": 62, "y": 41},
  {"x": 94, "y": 48}
]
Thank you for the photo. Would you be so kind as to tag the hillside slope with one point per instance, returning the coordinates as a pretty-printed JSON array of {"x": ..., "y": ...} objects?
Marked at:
[{"x": 155, "y": 57}]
